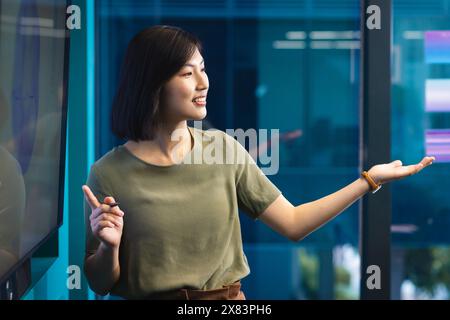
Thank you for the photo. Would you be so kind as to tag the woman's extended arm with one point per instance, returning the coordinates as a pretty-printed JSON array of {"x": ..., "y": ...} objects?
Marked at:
[{"x": 297, "y": 222}]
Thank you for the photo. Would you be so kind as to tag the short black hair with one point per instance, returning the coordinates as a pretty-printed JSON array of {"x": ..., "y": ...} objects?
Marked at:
[{"x": 153, "y": 56}]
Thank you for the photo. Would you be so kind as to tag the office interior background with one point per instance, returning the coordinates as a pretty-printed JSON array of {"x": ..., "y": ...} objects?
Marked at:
[{"x": 293, "y": 65}]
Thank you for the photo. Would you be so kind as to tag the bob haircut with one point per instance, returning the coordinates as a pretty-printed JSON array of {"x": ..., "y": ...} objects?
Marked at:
[{"x": 153, "y": 56}]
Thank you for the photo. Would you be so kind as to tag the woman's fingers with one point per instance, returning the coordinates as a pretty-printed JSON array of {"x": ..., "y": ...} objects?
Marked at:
[
  {"x": 94, "y": 203},
  {"x": 426, "y": 161},
  {"x": 410, "y": 170},
  {"x": 117, "y": 221},
  {"x": 396, "y": 170},
  {"x": 102, "y": 209},
  {"x": 90, "y": 197},
  {"x": 405, "y": 171},
  {"x": 102, "y": 224},
  {"x": 415, "y": 168},
  {"x": 115, "y": 209},
  {"x": 397, "y": 163}
]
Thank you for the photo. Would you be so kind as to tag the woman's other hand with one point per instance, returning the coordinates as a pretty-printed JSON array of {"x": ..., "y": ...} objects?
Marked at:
[
  {"x": 106, "y": 221},
  {"x": 395, "y": 170}
]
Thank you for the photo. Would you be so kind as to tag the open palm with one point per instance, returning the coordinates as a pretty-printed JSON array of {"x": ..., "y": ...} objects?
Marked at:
[{"x": 395, "y": 170}]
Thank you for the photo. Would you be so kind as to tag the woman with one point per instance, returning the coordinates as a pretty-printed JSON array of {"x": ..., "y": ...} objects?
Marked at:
[{"x": 176, "y": 233}]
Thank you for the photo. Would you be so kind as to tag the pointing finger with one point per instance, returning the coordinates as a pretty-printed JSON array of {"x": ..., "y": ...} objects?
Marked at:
[{"x": 90, "y": 197}]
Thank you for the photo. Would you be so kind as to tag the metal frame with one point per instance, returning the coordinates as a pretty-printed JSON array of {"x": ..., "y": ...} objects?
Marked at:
[{"x": 375, "y": 147}]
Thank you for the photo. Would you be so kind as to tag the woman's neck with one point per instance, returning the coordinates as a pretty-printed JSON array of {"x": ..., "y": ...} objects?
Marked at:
[{"x": 168, "y": 144}]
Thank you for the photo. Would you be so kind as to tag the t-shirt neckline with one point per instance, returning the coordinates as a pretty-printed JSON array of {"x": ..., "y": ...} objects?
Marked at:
[{"x": 171, "y": 166}]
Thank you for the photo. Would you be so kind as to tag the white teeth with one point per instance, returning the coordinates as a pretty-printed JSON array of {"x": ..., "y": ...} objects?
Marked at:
[{"x": 203, "y": 99}]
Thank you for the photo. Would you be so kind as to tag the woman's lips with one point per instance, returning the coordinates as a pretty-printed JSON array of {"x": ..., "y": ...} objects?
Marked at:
[{"x": 200, "y": 102}]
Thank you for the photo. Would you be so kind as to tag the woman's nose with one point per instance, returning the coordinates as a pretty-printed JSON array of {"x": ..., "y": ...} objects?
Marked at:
[{"x": 203, "y": 82}]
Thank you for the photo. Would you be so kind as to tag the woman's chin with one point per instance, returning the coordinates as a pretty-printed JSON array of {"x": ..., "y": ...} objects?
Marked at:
[{"x": 200, "y": 115}]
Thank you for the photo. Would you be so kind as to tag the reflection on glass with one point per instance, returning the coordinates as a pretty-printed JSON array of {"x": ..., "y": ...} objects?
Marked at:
[
  {"x": 438, "y": 144},
  {"x": 437, "y": 46},
  {"x": 437, "y": 95},
  {"x": 12, "y": 200},
  {"x": 421, "y": 126},
  {"x": 32, "y": 61}
]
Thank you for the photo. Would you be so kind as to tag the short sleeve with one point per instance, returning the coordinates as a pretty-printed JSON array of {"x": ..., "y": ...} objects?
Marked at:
[
  {"x": 255, "y": 192},
  {"x": 96, "y": 184}
]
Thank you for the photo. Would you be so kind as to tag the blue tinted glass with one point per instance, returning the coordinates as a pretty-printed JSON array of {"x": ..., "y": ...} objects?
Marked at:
[{"x": 421, "y": 126}]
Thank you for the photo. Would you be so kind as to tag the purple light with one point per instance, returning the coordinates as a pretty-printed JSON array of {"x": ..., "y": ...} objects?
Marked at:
[
  {"x": 437, "y": 95},
  {"x": 437, "y": 142},
  {"x": 437, "y": 46}
]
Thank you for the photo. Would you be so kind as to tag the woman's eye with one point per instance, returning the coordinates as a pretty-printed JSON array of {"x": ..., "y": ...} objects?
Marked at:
[{"x": 187, "y": 74}]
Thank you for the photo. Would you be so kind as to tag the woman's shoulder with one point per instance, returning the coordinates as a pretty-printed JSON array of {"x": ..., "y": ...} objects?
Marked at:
[
  {"x": 110, "y": 160},
  {"x": 232, "y": 141},
  {"x": 213, "y": 133}
]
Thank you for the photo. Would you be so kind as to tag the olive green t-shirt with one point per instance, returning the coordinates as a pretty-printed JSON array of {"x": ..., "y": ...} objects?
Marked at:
[{"x": 181, "y": 223}]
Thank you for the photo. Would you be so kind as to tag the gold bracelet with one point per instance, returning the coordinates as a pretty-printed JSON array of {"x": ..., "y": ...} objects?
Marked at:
[{"x": 373, "y": 185}]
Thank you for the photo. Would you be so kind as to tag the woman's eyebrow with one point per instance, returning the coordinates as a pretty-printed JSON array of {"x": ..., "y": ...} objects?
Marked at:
[{"x": 191, "y": 65}]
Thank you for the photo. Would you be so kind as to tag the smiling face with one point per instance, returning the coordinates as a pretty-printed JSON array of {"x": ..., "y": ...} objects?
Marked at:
[{"x": 184, "y": 96}]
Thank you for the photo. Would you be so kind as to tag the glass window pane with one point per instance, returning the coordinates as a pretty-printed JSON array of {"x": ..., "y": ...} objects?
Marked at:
[{"x": 421, "y": 126}]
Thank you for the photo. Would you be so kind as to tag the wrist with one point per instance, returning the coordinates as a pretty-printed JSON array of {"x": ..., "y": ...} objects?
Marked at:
[
  {"x": 364, "y": 184},
  {"x": 374, "y": 185},
  {"x": 108, "y": 249},
  {"x": 374, "y": 177}
]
